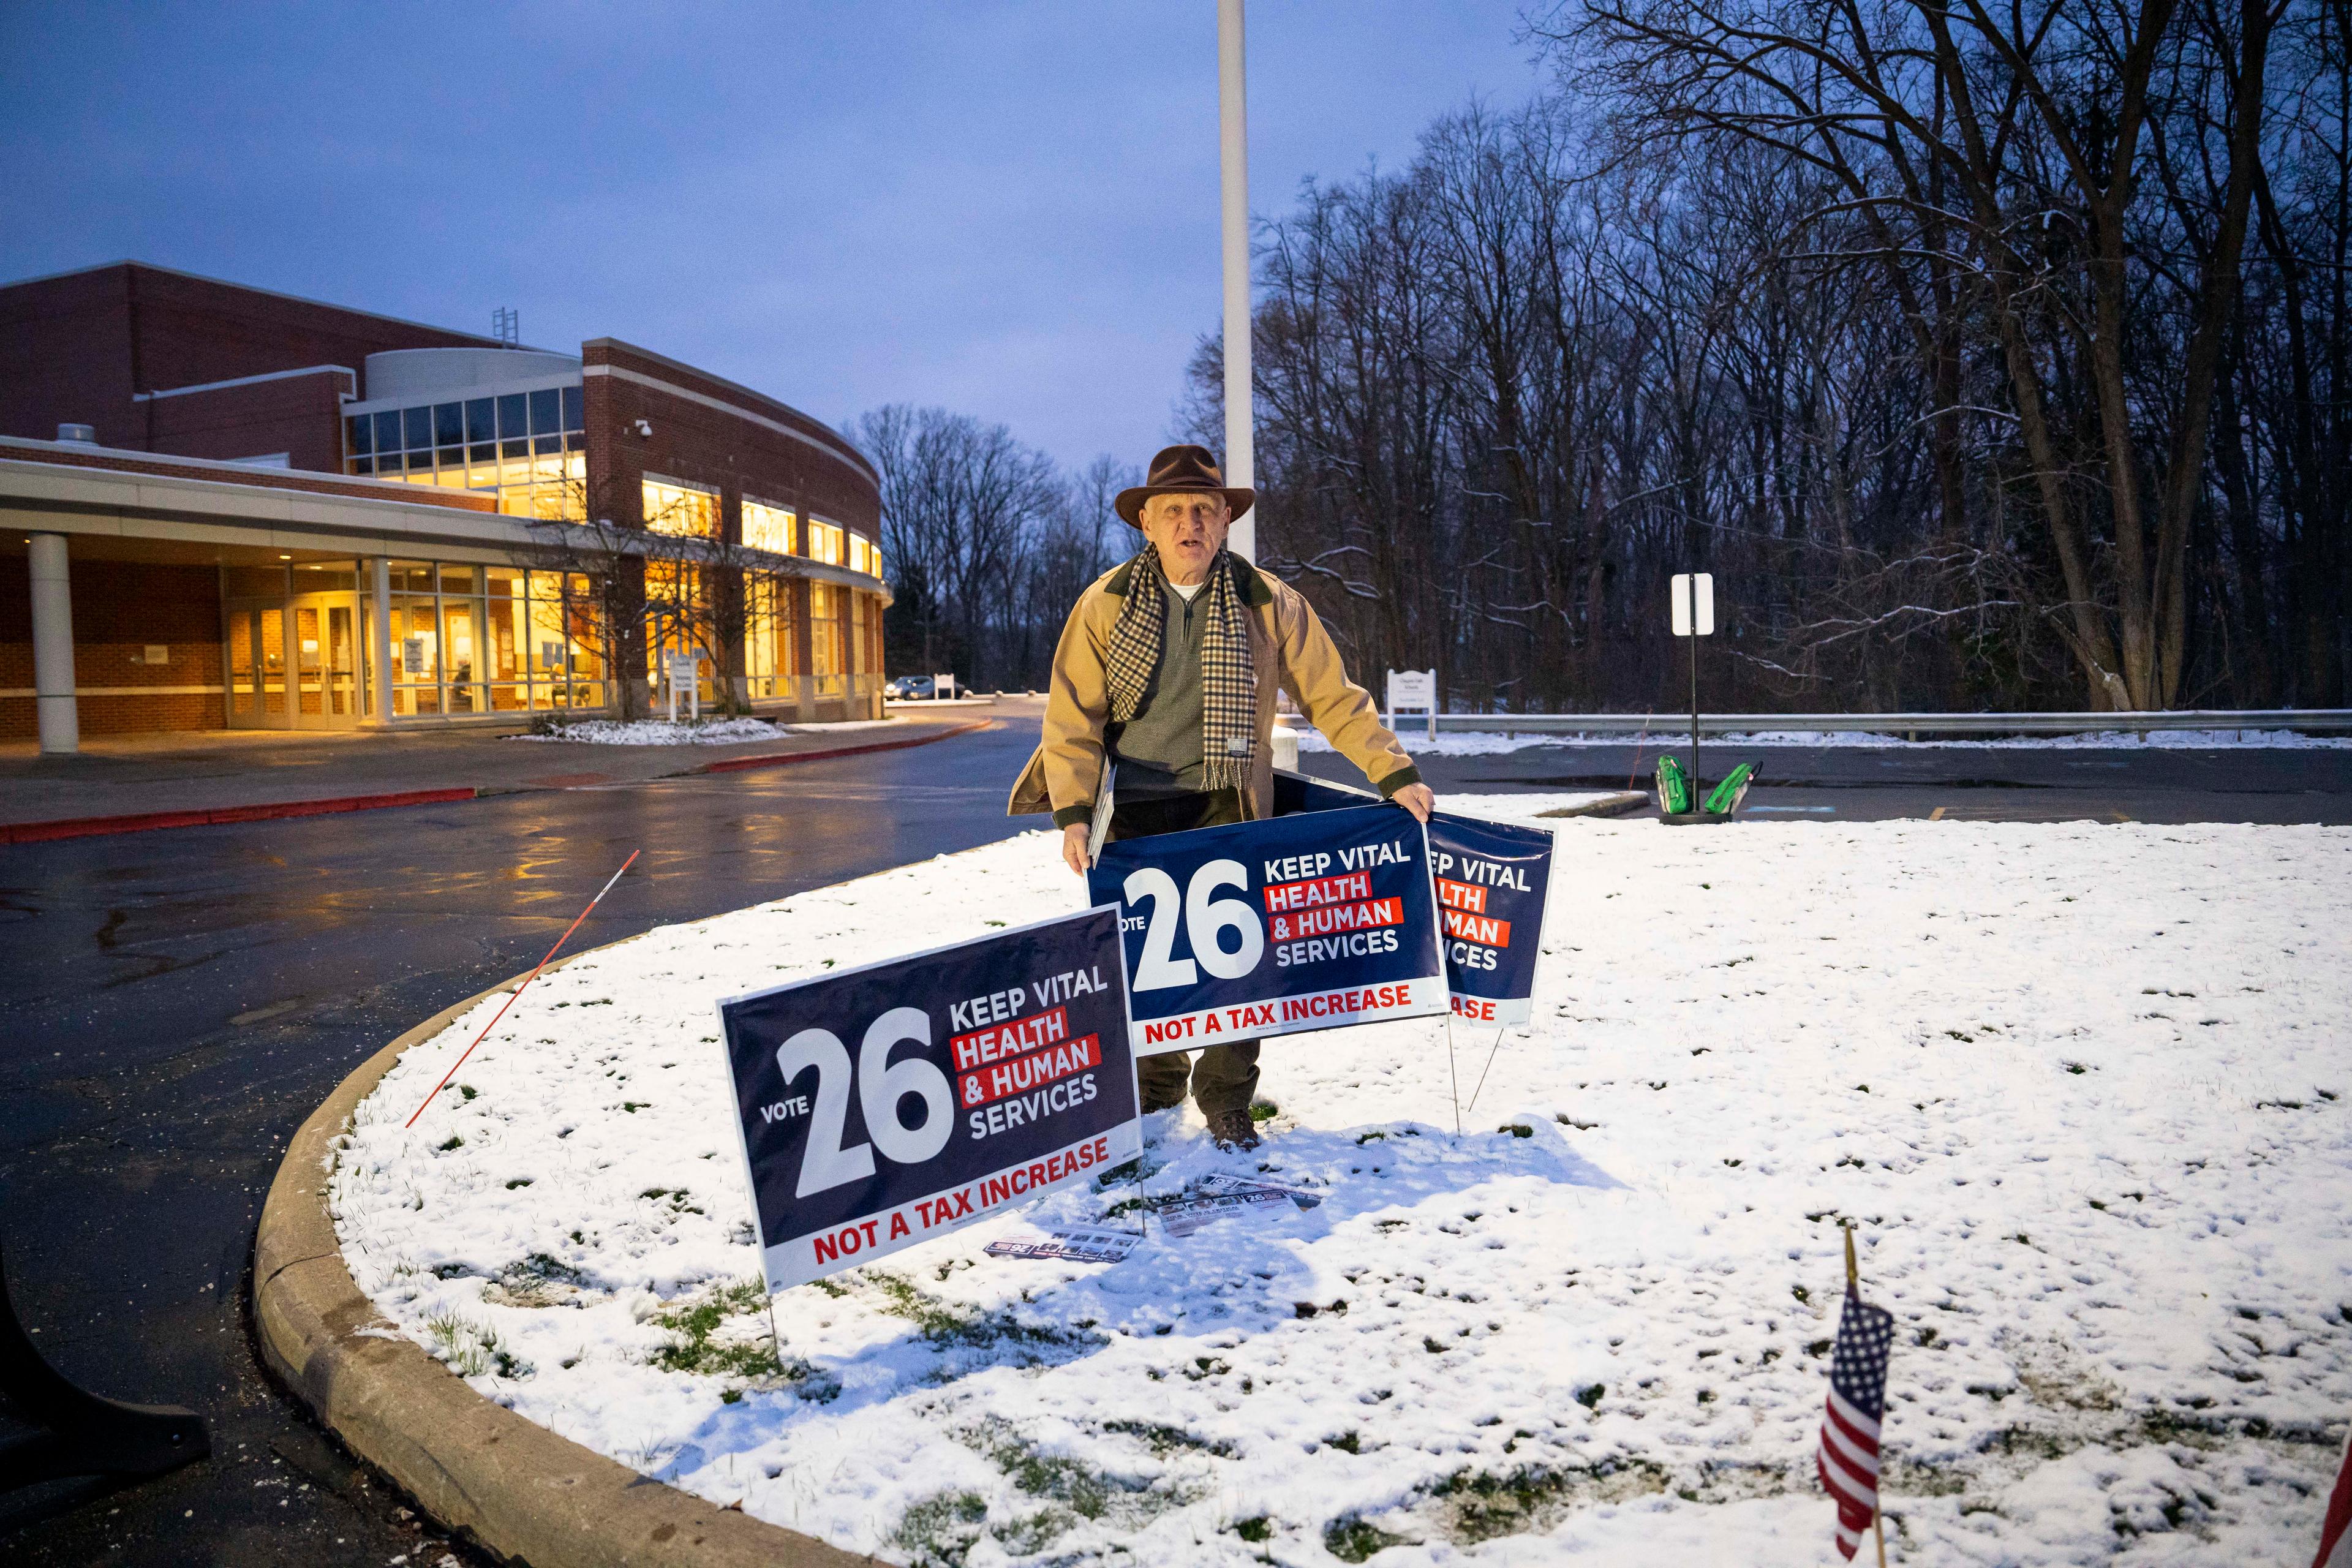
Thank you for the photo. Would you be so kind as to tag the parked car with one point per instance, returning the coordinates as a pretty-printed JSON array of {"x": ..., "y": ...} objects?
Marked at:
[{"x": 906, "y": 687}]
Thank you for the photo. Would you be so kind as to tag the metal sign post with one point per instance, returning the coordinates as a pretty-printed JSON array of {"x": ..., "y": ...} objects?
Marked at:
[{"x": 1694, "y": 618}]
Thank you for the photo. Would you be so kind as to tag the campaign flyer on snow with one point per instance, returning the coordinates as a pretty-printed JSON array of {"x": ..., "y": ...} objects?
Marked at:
[
  {"x": 881, "y": 1106},
  {"x": 1276, "y": 926}
]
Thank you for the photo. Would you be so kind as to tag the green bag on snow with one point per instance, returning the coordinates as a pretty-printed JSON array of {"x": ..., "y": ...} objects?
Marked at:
[{"x": 1674, "y": 787}]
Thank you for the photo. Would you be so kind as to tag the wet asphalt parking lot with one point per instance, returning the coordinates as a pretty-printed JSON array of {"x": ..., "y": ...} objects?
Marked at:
[{"x": 174, "y": 1005}]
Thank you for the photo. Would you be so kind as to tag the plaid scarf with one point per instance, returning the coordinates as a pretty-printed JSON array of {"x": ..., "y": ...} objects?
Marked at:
[{"x": 1228, "y": 681}]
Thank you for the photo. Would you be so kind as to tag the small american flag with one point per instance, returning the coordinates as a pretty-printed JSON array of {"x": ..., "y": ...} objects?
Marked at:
[
  {"x": 2335, "y": 1526},
  {"x": 1849, "y": 1458}
]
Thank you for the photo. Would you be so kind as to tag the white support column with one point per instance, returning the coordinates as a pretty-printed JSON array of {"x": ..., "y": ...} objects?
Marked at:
[
  {"x": 379, "y": 622},
  {"x": 1232, "y": 128},
  {"x": 53, "y": 647}
]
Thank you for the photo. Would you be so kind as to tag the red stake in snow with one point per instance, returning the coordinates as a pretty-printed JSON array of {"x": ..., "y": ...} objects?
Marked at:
[{"x": 525, "y": 985}]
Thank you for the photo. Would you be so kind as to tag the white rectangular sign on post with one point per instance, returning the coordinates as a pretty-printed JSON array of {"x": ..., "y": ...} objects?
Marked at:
[
  {"x": 685, "y": 673},
  {"x": 942, "y": 686},
  {"x": 1415, "y": 689},
  {"x": 1682, "y": 603}
]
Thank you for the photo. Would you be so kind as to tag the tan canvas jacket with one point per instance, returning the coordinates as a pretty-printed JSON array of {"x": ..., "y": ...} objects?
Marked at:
[{"x": 1289, "y": 650}]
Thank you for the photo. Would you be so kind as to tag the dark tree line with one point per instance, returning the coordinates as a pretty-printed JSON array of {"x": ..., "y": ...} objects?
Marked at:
[
  {"x": 1990, "y": 359},
  {"x": 988, "y": 544}
]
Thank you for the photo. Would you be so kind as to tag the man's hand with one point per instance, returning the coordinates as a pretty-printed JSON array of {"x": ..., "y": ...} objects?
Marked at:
[
  {"x": 1417, "y": 799},
  {"x": 1074, "y": 845}
]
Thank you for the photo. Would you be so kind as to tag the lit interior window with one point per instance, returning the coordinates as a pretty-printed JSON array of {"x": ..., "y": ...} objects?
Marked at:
[
  {"x": 509, "y": 447},
  {"x": 769, "y": 527},
  {"x": 679, "y": 509},
  {"x": 825, "y": 542}
]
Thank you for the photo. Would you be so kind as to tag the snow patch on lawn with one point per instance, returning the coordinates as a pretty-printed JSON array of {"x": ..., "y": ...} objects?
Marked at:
[
  {"x": 1490, "y": 743},
  {"x": 2085, "y": 1089}
]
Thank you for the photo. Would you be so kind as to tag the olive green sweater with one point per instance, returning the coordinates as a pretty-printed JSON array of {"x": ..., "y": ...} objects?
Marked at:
[{"x": 1159, "y": 751}]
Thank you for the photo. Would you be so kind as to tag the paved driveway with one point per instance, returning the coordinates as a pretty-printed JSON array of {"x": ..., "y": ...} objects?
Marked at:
[{"x": 174, "y": 1004}]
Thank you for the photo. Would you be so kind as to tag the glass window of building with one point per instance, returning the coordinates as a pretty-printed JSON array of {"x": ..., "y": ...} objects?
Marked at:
[
  {"x": 506, "y": 639},
  {"x": 673, "y": 506},
  {"x": 462, "y": 642},
  {"x": 824, "y": 637},
  {"x": 415, "y": 640},
  {"x": 678, "y": 617},
  {"x": 469, "y": 639},
  {"x": 528, "y": 449},
  {"x": 770, "y": 650},
  {"x": 561, "y": 655},
  {"x": 769, "y": 527},
  {"x": 825, "y": 542}
]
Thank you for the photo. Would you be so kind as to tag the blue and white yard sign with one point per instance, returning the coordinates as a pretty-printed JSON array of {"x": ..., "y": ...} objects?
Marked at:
[
  {"x": 1275, "y": 926},
  {"x": 882, "y": 1105},
  {"x": 1492, "y": 881},
  {"x": 1491, "y": 884}
]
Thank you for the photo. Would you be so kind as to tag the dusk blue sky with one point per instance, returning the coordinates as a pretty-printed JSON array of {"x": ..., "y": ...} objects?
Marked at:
[{"x": 1009, "y": 209}]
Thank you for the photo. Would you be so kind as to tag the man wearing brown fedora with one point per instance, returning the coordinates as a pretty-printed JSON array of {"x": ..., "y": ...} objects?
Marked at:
[{"x": 1169, "y": 669}]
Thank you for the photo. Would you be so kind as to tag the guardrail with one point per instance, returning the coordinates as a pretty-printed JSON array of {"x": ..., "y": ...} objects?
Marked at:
[{"x": 2310, "y": 721}]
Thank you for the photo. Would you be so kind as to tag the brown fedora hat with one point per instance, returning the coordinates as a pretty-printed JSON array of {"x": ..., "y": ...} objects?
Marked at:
[{"x": 1181, "y": 471}]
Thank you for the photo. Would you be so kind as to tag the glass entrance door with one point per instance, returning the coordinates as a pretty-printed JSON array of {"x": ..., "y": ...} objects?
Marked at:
[
  {"x": 256, "y": 666},
  {"x": 326, "y": 662}
]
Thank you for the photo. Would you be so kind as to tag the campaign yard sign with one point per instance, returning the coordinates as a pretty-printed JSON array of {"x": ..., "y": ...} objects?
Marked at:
[
  {"x": 1275, "y": 926},
  {"x": 1492, "y": 881},
  {"x": 881, "y": 1106}
]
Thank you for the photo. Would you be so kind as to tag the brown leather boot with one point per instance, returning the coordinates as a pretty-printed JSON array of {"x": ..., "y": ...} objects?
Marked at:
[{"x": 1233, "y": 1129}]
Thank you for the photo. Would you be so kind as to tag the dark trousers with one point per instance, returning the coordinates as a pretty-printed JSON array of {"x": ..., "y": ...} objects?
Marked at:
[{"x": 1226, "y": 1077}]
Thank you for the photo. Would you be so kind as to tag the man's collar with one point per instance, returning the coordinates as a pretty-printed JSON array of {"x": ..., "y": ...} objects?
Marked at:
[{"x": 1254, "y": 590}]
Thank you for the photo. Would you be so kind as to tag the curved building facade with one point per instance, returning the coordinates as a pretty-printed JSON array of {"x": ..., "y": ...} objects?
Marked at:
[{"x": 490, "y": 532}]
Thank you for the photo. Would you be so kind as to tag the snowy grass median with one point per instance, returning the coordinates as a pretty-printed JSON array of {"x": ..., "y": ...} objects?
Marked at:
[
  {"x": 692, "y": 732},
  {"x": 2084, "y": 1089}
]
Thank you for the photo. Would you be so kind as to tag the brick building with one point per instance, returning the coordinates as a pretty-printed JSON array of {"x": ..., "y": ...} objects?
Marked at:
[{"x": 235, "y": 509}]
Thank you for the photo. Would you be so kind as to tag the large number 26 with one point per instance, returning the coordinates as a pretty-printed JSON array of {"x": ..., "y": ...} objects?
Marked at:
[
  {"x": 1206, "y": 916},
  {"x": 881, "y": 1086}
]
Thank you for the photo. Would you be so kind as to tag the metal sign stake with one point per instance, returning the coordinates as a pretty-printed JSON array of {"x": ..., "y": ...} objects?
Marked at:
[{"x": 1691, "y": 582}]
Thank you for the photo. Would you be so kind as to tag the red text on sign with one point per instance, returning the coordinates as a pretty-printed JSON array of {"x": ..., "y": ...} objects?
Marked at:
[
  {"x": 1484, "y": 930},
  {"x": 1324, "y": 920},
  {"x": 998, "y": 1041},
  {"x": 1461, "y": 896},
  {"x": 1036, "y": 1070},
  {"x": 1283, "y": 895}
]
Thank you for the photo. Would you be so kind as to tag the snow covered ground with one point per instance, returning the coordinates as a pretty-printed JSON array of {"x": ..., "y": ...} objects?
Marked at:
[
  {"x": 1488, "y": 743},
  {"x": 710, "y": 732},
  {"x": 2083, "y": 1088}
]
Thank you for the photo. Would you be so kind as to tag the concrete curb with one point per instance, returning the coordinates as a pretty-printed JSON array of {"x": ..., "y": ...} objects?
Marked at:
[
  {"x": 786, "y": 759},
  {"x": 1614, "y": 804},
  {"x": 510, "y": 1485},
  {"x": 148, "y": 821}
]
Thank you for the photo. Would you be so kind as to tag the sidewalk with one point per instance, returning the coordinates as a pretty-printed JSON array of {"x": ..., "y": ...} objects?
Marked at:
[{"x": 134, "y": 782}]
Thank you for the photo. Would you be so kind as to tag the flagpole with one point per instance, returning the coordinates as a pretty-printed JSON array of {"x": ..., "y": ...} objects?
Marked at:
[{"x": 1853, "y": 1287}]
